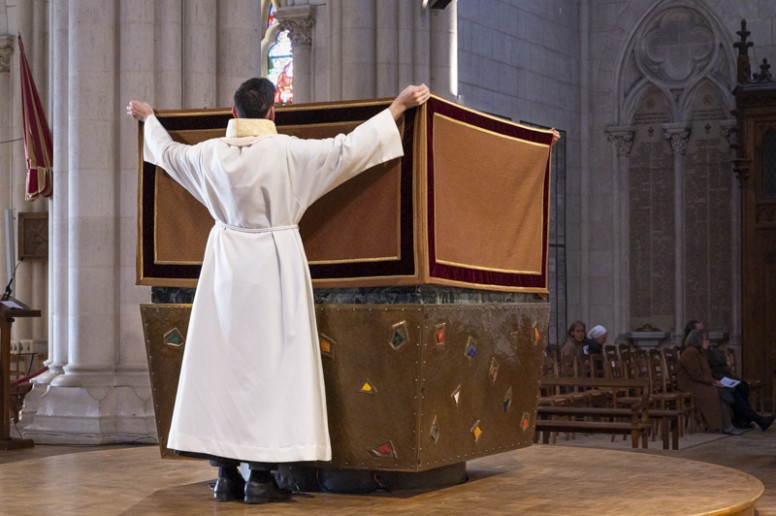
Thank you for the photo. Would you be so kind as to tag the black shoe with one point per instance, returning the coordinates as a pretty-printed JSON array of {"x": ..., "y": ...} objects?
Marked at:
[
  {"x": 228, "y": 489},
  {"x": 767, "y": 422},
  {"x": 264, "y": 492}
]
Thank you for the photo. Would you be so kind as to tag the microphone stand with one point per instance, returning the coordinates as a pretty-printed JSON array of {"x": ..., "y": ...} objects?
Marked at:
[{"x": 8, "y": 288}]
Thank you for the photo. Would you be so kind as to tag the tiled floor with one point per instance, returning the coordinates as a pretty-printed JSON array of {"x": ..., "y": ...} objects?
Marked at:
[{"x": 589, "y": 475}]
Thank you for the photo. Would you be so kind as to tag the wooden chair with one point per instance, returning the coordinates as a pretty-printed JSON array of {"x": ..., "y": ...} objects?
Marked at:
[
  {"x": 633, "y": 420},
  {"x": 611, "y": 355},
  {"x": 661, "y": 390},
  {"x": 686, "y": 402},
  {"x": 556, "y": 395},
  {"x": 624, "y": 347},
  {"x": 595, "y": 366}
]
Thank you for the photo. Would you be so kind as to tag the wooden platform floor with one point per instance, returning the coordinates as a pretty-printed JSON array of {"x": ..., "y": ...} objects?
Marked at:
[{"x": 542, "y": 479}]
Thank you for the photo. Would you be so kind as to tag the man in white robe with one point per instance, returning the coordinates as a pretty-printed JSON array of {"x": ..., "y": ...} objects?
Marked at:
[{"x": 251, "y": 385}]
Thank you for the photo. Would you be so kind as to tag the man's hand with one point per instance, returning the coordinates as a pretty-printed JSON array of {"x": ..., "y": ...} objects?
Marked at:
[
  {"x": 555, "y": 136},
  {"x": 412, "y": 96},
  {"x": 139, "y": 110}
]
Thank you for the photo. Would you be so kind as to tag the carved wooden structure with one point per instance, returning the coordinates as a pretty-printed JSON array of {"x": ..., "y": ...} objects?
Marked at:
[{"x": 755, "y": 167}]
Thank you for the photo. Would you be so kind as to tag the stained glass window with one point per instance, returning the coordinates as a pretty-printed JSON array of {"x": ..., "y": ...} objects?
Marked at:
[
  {"x": 271, "y": 16},
  {"x": 281, "y": 65}
]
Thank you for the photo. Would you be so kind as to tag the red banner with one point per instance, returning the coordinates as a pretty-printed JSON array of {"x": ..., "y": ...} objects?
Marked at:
[{"x": 37, "y": 136}]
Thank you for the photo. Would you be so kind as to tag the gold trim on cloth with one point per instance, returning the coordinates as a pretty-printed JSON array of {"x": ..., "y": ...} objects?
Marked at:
[{"x": 488, "y": 198}]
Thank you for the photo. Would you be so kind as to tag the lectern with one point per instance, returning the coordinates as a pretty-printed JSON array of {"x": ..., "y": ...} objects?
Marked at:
[{"x": 9, "y": 310}]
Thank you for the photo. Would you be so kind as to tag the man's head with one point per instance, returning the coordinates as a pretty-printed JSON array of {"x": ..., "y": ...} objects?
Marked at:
[
  {"x": 692, "y": 324},
  {"x": 255, "y": 98},
  {"x": 697, "y": 338}
]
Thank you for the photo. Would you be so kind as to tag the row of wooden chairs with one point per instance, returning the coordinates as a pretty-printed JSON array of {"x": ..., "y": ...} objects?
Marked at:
[{"x": 625, "y": 361}]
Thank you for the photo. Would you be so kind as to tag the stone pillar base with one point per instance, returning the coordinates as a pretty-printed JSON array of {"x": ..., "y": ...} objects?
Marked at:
[{"x": 88, "y": 415}]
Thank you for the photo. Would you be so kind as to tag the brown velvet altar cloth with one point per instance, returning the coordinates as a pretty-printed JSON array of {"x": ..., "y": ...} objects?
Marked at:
[{"x": 467, "y": 205}]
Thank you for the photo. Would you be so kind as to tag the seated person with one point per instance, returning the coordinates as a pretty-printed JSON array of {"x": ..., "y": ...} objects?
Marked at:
[
  {"x": 693, "y": 374},
  {"x": 594, "y": 348},
  {"x": 737, "y": 397},
  {"x": 573, "y": 347},
  {"x": 596, "y": 338}
]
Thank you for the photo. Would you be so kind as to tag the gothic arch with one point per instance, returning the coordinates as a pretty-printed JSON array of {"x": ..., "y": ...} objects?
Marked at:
[
  {"x": 642, "y": 58},
  {"x": 689, "y": 98},
  {"x": 672, "y": 81},
  {"x": 638, "y": 93}
]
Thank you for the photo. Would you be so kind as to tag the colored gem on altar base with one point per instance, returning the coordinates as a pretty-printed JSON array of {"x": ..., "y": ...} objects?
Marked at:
[
  {"x": 456, "y": 395},
  {"x": 327, "y": 346},
  {"x": 434, "y": 433},
  {"x": 537, "y": 335},
  {"x": 525, "y": 422},
  {"x": 399, "y": 336},
  {"x": 439, "y": 334},
  {"x": 493, "y": 372},
  {"x": 367, "y": 387},
  {"x": 174, "y": 338},
  {"x": 384, "y": 451},
  {"x": 471, "y": 348},
  {"x": 476, "y": 431},
  {"x": 507, "y": 403}
]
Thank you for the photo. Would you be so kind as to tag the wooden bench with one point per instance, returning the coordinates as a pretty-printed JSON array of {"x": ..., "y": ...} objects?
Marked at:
[
  {"x": 668, "y": 419},
  {"x": 633, "y": 420}
]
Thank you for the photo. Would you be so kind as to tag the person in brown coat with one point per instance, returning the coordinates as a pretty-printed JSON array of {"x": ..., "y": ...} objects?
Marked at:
[
  {"x": 572, "y": 348},
  {"x": 693, "y": 374}
]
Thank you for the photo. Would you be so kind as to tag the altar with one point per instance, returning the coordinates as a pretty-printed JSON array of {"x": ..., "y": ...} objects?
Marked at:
[{"x": 430, "y": 276}]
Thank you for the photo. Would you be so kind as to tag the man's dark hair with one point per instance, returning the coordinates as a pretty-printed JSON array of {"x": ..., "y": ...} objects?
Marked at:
[{"x": 254, "y": 97}]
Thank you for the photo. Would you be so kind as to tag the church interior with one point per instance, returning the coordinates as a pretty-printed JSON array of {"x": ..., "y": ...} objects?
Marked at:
[{"x": 656, "y": 207}]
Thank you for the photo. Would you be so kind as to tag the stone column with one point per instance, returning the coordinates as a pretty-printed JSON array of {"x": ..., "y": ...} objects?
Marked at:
[
  {"x": 444, "y": 52},
  {"x": 622, "y": 139},
  {"x": 729, "y": 130},
  {"x": 300, "y": 21},
  {"x": 376, "y": 48},
  {"x": 357, "y": 50},
  {"x": 679, "y": 135},
  {"x": 167, "y": 50},
  {"x": 239, "y": 43},
  {"x": 200, "y": 34},
  {"x": 91, "y": 198},
  {"x": 583, "y": 225},
  {"x": 405, "y": 37},
  {"x": 421, "y": 47},
  {"x": 7, "y": 137},
  {"x": 387, "y": 48},
  {"x": 58, "y": 226},
  {"x": 90, "y": 402},
  {"x": 137, "y": 61}
]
